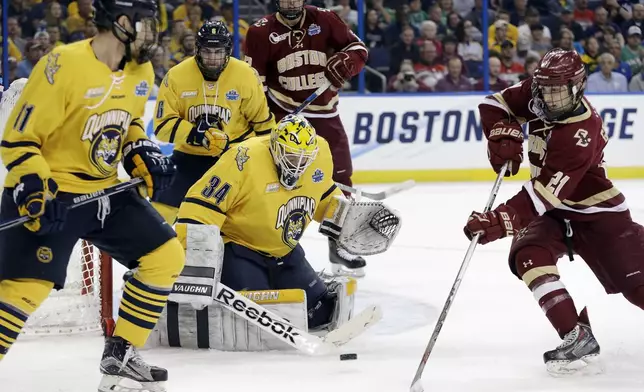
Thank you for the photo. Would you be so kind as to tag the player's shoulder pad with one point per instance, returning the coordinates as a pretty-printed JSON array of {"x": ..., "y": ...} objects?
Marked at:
[
  {"x": 253, "y": 152},
  {"x": 263, "y": 23},
  {"x": 61, "y": 60},
  {"x": 578, "y": 132}
]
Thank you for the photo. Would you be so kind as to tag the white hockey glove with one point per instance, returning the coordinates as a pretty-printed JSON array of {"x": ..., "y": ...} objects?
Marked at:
[{"x": 362, "y": 228}]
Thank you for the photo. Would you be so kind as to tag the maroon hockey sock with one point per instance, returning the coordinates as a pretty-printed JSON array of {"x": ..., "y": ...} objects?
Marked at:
[{"x": 537, "y": 267}]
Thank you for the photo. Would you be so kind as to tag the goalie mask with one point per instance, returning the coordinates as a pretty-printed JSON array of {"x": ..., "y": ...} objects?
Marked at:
[
  {"x": 214, "y": 47},
  {"x": 558, "y": 84},
  {"x": 140, "y": 32},
  {"x": 290, "y": 9},
  {"x": 294, "y": 147}
]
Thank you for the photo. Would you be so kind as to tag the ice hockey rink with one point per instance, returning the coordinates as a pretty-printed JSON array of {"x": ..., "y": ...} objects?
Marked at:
[{"x": 492, "y": 341}]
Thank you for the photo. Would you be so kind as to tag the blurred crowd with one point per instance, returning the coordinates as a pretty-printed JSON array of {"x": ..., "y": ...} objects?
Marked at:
[{"x": 415, "y": 45}]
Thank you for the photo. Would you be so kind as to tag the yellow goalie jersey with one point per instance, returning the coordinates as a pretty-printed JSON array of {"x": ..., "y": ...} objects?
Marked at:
[
  {"x": 72, "y": 119},
  {"x": 235, "y": 104},
  {"x": 242, "y": 195}
]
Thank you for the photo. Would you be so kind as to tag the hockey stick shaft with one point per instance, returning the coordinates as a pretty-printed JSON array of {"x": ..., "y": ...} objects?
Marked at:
[
  {"x": 403, "y": 186},
  {"x": 81, "y": 200},
  {"x": 312, "y": 97},
  {"x": 415, "y": 385}
]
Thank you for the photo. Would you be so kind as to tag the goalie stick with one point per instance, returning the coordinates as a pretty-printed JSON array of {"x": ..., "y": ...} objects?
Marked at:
[
  {"x": 81, "y": 200},
  {"x": 416, "y": 385},
  {"x": 283, "y": 330},
  {"x": 382, "y": 195}
]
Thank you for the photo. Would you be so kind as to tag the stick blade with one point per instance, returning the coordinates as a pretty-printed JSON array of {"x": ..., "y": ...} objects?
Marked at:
[{"x": 417, "y": 386}]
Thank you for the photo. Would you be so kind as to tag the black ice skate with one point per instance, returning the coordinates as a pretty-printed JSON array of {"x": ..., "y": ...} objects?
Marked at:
[
  {"x": 344, "y": 263},
  {"x": 579, "y": 351},
  {"x": 124, "y": 370}
]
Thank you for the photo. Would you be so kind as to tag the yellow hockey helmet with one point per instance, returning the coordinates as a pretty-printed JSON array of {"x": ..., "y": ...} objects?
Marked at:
[{"x": 294, "y": 147}]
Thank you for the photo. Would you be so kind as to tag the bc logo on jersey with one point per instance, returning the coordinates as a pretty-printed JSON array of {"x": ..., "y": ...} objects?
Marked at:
[
  {"x": 292, "y": 218},
  {"x": 105, "y": 133}
]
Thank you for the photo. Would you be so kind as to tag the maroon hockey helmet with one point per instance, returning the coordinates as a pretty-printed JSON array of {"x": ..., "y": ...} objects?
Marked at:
[{"x": 558, "y": 84}]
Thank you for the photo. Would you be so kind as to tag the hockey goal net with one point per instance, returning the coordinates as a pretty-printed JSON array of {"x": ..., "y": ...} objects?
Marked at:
[{"x": 84, "y": 304}]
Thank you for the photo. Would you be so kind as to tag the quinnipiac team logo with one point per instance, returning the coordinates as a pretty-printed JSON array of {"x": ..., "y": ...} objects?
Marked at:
[
  {"x": 293, "y": 217},
  {"x": 105, "y": 134}
]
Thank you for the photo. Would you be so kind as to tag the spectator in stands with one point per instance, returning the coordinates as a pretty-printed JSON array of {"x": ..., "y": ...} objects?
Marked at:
[
  {"x": 453, "y": 21},
  {"x": 510, "y": 68},
  {"x": 42, "y": 37},
  {"x": 348, "y": 15},
  {"x": 33, "y": 52},
  {"x": 496, "y": 84},
  {"x": 374, "y": 35},
  {"x": 519, "y": 12},
  {"x": 15, "y": 33},
  {"x": 607, "y": 80},
  {"x": 468, "y": 48},
  {"x": 195, "y": 19},
  {"x": 54, "y": 15},
  {"x": 54, "y": 36},
  {"x": 447, "y": 7},
  {"x": 429, "y": 70},
  {"x": 532, "y": 18},
  {"x": 591, "y": 53},
  {"x": 385, "y": 15},
  {"x": 159, "y": 64},
  {"x": 178, "y": 32},
  {"x": 428, "y": 32},
  {"x": 637, "y": 83},
  {"x": 476, "y": 15},
  {"x": 567, "y": 41},
  {"x": 529, "y": 66},
  {"x": 502, "y": 21},
  {"x": 500, "y": 35},
  {"x": 76, "y": 21},
  {"x": 395, "y": 29},
  {"x": 436, "y": 16},
  {"x": 454, "y": 80},
  {"x": 616, "y": 12},
  {"x": 19, "y": 9},
  {"x": 632, "y": 52},
  {"x": 637, "y": 19},
  {"x": 601, "y": 25},
  {"x": 416, "y": 14},
  {"x": 406, "y": 49},
  {"x": 583, "y": 14},
  {"x": 567, "y": 21},
  {"x": 227, "y": 13},
  {"x": 405, "y": 80},
  {"x": 181, "y": 12},
  {"x": 540, "y": 43},
  {"x": 619, "y": 65},
  {"x": 188, "y": 48}
]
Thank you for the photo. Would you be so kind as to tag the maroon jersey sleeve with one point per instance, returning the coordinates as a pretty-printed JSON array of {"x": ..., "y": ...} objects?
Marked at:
[
  {"x": 342, "y": 39},
  {"x": 510, "y": 104},
  {"x": 255, "y": 51},
  {"x": 570, "y": 169}
]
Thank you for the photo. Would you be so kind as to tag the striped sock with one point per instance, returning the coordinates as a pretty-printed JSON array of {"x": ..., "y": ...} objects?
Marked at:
[
  {"x": 11, "y": 322},
  {"x": 139, "y": 311}
]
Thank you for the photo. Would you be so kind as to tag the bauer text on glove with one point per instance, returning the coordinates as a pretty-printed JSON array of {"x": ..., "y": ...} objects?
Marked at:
[
  {"x": 493, "y": 225},
  {"x": 505, "y": 143}
]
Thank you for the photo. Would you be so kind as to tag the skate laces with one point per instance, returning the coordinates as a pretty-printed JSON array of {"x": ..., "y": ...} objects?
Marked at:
[
  {"x": 343, "y": 253},
  {"x": 570, "y": 337}
]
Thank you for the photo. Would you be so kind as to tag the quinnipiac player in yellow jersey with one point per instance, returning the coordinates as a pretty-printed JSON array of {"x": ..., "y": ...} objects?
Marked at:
[
  {"x": 261, "y": 196},
  {"x": 79, "y": 115},
  {"x": 206, "y": 104}
]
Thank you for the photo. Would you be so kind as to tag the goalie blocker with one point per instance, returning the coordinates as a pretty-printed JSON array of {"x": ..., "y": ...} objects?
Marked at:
[{"x": 204, "y": 313}]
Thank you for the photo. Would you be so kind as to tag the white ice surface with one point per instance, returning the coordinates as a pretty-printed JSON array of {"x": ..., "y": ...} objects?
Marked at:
[{"x": 492, "y": 341}]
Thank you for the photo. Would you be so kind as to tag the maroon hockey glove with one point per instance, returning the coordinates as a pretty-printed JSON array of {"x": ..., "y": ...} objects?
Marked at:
[
  {"x": 505, "y": 143},
  {"x": 501, "y": 222},
  {"x": 339, "y": 68}
]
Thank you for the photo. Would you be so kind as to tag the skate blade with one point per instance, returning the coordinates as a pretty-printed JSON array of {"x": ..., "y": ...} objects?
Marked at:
[
  {"x": 121, "y": 384},
  {"x": 586, "y": 366},
  {"x": 340, "y": 270}
]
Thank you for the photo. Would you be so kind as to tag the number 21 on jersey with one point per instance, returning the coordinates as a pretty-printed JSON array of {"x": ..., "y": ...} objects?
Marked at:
[{"x": 215, "y": 191}]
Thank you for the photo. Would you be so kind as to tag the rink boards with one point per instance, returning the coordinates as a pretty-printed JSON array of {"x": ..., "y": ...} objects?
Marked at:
[{"x": 438, "y": 137}]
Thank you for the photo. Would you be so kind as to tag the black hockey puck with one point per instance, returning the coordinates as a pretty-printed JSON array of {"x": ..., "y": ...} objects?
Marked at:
[{"x": 348, "y": 357}]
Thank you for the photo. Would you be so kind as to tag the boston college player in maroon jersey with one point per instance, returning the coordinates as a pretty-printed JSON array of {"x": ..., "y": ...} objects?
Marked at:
[
  {"x": 295, "y": 50},
  {"x": 569, "y": 206}
]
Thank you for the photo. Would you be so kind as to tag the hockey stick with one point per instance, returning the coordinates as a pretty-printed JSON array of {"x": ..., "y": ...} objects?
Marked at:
[
  {"x": 81, "y": 200},
  {"x": 382, "y": 195},
  {"x": 416, "y": 385},
  {"x": 283, "y": 330},
  {"x": 312, "y": 97}
]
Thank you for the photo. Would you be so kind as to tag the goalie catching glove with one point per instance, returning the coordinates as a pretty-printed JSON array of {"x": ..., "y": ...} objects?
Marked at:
[
  {"x": 361, "y": 228},
  {"x": 212, "y": 138},
  {"x": 36, "y": 198},
  {"x": 144, "y": 159}
]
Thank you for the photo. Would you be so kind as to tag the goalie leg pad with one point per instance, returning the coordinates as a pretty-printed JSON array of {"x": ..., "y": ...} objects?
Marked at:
[
  {"x": 341, "y": 293},
  {"x": 204, "y": 256}
]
